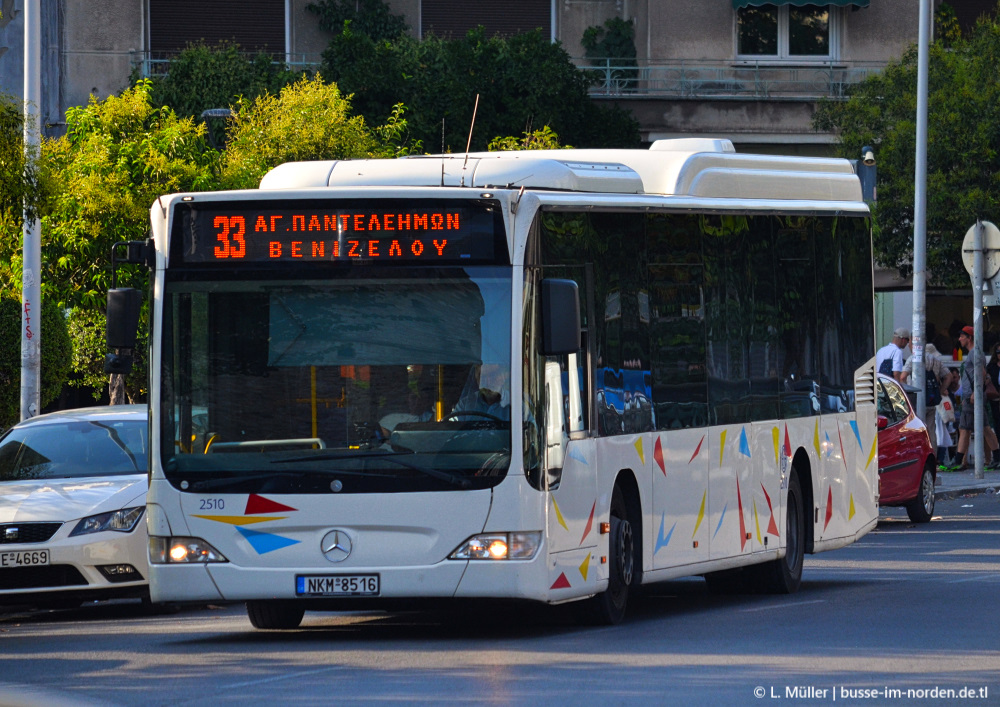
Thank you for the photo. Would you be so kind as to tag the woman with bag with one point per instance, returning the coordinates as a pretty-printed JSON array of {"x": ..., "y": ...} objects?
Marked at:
[
  {"x": 936, "y": 381},
  {"x": 966, "y": 419}
]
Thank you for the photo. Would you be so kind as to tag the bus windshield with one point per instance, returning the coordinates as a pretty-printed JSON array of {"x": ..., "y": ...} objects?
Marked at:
[{"x": 379, "y": 380}]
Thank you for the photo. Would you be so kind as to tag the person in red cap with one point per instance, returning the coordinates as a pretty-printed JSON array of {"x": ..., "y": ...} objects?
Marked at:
[{"x": 966, "y": 420}]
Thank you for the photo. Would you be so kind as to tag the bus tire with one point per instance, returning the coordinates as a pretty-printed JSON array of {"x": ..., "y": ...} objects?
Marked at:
[
  {"x": 784, "y": 575},
  {"x": 608, "y": 607},
  {"x": 275, "y": 614}
]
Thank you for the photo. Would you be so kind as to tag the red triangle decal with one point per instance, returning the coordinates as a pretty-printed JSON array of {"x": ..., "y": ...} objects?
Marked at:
[
  {"x": 259, "y": 504},
  {"x": 743, "y": 527},
  {"x": 561, "y": 583},
  {"x": 658, "y": 455},
  {"x": 697, "y": 449},
  {"x": 788, "y": 444},
  {"x": 829, "y": 507},
  {"x": 590, "y": 523}
]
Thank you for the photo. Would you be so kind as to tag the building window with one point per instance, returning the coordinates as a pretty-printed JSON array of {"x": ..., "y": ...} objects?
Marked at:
[{"x": 785, "y": 32}]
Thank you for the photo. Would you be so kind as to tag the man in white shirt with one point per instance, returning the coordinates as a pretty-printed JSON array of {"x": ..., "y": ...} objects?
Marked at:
[{"x": 889, "y": 358}]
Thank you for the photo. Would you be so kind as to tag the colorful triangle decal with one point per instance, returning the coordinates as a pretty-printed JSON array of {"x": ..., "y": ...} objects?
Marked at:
[
  {"x": 559, "y": 516},
  {"x": 265, "y": 542},
  {"x": 701, "y": 513},
  {"x": 697, "y": 449},
  {"x": 663, "y": 540},
  {"x": 788, "y": 444},
  {"x": 259, "y": 504},
  {"x": 658, "y": 455},
  {"x": 850, "y": 510},
  {"x": 871, "y": 455},
  {"x": 744, "y": 444},
  {"x": 585, "y": 567},
  {"x": 721, "y": 518},
  {"x": 776, "y": 438},
  {"x": 561, "y": 582},
  {"x": 638, "y": 448},
  {"x": 857, "y": 433},
  {"x": 743, "y": 525},
  {"x": 829, "y": 507},
  {"x": 240, "y": 520},
  {"x": 772, "y": 527},
  {"x": 590, "y": 523},
  {"x": 819, "y": 452},
  {"x": 722, "y": 446},
  {"x": 575, "y": 453}
]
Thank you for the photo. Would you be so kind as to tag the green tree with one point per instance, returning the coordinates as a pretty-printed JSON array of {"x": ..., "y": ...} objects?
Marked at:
[
  {"x": 522, "y": 81},
  {"x": 100, "y": 179},
  {"x": 544, "y": 139},
  {"x": 56, "y": 354},
  {"x": 963, "y": 159},
  {"x": 308, "y": 120},
  {"x": 369, "y": 17}
]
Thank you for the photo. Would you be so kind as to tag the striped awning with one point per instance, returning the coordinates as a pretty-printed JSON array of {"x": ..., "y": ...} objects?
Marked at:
[{"x": 737, "y": 4}]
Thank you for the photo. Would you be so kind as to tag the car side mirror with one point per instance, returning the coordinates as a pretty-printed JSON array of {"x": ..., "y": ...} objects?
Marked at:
[{"x": 883, "y": 422}]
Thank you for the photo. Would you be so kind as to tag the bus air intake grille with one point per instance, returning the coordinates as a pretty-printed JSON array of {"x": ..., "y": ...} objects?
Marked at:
[
  {"x": 26, "y": 533},
  {"x": 864, "y": 387}
]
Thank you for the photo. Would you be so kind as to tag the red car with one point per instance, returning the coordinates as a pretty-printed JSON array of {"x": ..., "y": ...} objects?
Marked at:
[{"x": 906, "y": 463}]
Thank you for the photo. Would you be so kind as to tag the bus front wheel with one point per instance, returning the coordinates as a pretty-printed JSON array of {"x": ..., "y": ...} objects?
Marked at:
[
  {"x": 275, "y": 614},
  {"x": 608, "y": 607}
]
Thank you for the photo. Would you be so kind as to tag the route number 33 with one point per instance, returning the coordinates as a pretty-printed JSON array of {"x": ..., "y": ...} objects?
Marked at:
[{"x": 232, "y": 230}]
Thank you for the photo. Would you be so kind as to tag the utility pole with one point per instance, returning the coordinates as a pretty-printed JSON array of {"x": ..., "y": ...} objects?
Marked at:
[
  {"x": 919, "y": 329},
  {"x": 31, "y": 285}
]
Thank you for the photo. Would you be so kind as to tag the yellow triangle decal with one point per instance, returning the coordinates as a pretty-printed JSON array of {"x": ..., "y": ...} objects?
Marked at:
[
  {"x": 776, "y": 437},
  {"x": 819, "y": 452},
  {"x": 701, "y": 514},
  {"x": 559, "y": 517},
  {"x": 850, "y": 512},
  {"x": 722, "y": 446},
  {"x": 638, "y": 448},
  {"x": 874, "y": 451},
  {"x": 585, "y": 567},
  {"x": 240, "y": 520},
  {"x": 756, "y": 521}
]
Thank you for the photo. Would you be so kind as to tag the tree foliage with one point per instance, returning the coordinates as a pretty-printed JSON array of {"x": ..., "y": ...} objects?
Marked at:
[
  {"x": 544, "y": 139},
  {"x": 963, "y": 159},
  {"x": 522, "y": 81},
  {"x": 309, "y": 120},
  {"x": 203, "y": 77},
  {"x": 55, "y": 352},
  {"x": 369, "y": 17}
]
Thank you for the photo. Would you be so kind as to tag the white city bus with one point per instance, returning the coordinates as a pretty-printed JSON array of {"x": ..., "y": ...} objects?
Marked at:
[{"x": 548, "y": 376}]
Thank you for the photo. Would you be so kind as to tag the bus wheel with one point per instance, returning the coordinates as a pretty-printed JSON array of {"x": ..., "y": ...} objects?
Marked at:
[
  {"x": 608, "y": 607},
  {"x": 275, "y": 614},
  {"x": 784, "y": 575}
]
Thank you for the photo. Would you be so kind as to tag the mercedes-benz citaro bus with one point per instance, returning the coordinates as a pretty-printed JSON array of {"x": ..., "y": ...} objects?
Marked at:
[{"x": 550, "y": 376}]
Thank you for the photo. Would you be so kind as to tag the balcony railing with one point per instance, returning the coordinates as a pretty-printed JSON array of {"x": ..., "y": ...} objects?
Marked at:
[
  {"x": 156, "y": 64},
  {"x": 726, "y": 80}
]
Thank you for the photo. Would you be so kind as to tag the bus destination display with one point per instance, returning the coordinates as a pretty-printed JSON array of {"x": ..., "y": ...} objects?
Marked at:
[{"x": 237, "y": 232}]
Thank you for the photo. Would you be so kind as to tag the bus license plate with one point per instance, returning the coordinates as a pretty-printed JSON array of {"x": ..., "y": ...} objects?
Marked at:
[
  {"x": 337, "y": 585},
  {"x": 30, "y": 558}
]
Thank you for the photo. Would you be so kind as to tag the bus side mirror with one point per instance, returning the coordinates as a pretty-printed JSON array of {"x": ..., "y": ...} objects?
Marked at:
[
  {"x": 560, "y": 317},
  {"x": 122, "y": 327}
]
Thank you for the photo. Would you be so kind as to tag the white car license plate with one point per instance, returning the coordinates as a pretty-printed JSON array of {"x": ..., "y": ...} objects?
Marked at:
[
  {"x": 28, "y": 558},
  {"x": 337, "y": 585}
]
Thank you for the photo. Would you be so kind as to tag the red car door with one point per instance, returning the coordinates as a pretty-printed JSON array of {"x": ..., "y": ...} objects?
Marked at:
[{"x": 902, "y": 444}]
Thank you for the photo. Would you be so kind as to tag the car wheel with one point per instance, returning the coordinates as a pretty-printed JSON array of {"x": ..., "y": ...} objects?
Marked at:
[
  {"x": 608, "y": 607},
  {"x": 275, "y": 614},
  {"x": 921, "y": 508}
]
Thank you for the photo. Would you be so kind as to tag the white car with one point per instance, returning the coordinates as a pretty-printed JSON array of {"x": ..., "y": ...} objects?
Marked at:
[{"x": 72, "y": 500}]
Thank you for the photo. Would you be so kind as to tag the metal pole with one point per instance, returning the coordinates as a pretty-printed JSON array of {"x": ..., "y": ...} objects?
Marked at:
[
  {"x": 920, "y": 214},
  {"x": 31, "y": 289},
  {"x": 974, "y": 356}
]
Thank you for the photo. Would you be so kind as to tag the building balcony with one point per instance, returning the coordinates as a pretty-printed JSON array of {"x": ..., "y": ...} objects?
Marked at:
[{"x": 730, "y": 80}]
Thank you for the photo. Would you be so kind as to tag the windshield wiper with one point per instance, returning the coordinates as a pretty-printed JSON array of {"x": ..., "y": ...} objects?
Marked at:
[
  {"x": 389, "y": 456},
  {"x": 113, "y": 434}
]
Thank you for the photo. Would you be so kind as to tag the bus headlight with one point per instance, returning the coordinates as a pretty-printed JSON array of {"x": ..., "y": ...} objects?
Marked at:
[
  {"x": 171, "y": 551},
  {"x": 499, "y": 546}
]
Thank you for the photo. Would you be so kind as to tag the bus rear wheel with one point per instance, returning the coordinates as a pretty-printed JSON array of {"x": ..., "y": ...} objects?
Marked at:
[
  {"x": 275, "y": 614},
  {"x": 608, "y": 607},
  {"x": 784, "y": 575}
]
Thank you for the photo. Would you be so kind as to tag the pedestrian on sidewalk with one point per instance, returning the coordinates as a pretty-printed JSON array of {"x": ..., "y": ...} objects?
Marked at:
[
  {"x": 974, "y": 360},
  {"x": 937, "y": 379},
  {"x": 889, "y": 358}
]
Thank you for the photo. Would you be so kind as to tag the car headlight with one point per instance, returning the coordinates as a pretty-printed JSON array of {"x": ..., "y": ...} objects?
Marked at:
[
  {"x": 123, "y": 521},
  {"x": 183, "y": 550},
  {"x": 499, "y": 546}
]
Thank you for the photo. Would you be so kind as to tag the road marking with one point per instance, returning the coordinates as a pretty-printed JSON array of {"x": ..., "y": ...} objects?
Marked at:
[{"x": 782, "y": 606}]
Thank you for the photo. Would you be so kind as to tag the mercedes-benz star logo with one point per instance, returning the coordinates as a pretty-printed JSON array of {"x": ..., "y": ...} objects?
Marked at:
[{"x": 336, "y": 546}]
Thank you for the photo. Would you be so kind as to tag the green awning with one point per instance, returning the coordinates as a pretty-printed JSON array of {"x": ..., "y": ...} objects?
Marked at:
[{"x": 737, "y": 4}]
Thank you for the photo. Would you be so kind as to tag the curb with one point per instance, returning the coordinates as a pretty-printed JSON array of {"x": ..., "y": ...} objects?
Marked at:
[{"x": 949, "y": 494}]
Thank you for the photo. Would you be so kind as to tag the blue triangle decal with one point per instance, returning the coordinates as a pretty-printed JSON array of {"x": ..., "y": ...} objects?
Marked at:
[
  {"x": 265, "y": 542},
  {"x": 744, "y": 444},
  {"x": 721, "y": 518},
  {"x": 854, "y": 426},
  {"x": 662, "y": 541},
  {"x": 575, "y": 453},
  {"x": 829, "y": 445}
]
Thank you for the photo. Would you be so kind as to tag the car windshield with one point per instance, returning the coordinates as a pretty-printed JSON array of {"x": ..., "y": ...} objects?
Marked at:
[
  {"x": 381, "y": 381},
  {"x": 74, "y": 449}
]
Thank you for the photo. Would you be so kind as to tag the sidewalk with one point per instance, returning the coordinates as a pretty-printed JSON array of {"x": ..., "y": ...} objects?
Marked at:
[{"x": 952, "y": 484}]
